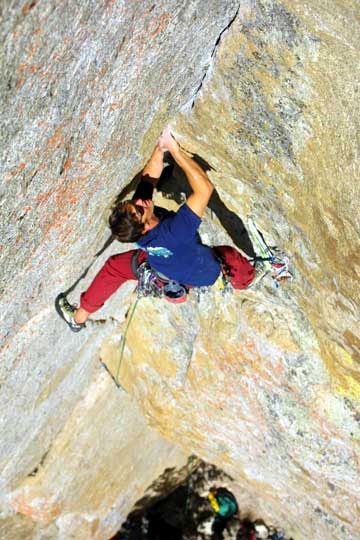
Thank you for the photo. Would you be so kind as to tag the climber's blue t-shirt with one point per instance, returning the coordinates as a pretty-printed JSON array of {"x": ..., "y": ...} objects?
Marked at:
[{"x": 174, "y": 248}]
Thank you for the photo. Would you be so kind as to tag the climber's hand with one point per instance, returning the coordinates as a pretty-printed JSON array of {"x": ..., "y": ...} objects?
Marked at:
[{"x": 167, "y": 142}]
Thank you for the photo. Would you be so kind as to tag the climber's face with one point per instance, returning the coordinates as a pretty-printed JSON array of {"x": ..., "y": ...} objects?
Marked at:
[{"x": 145, "y": 211}]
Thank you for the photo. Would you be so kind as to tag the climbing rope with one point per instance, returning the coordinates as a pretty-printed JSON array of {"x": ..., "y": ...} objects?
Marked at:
[
  {"x": 149, "y": 284},
  {"x": 123, "y": 340}
]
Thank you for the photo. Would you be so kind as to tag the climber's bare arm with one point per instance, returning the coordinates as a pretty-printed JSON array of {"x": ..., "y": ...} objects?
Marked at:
[
  {"x": 154, "y": 167},
  {"x": 198, "y": 179}
]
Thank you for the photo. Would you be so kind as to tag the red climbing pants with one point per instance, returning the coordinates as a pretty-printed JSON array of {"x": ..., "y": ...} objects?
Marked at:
[
  {"x": 237, "y": 267},
  {"x": 118, "y": 269}
]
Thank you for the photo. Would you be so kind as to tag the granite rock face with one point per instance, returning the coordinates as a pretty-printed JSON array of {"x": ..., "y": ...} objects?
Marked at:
[{"x": 263, "y": 383}]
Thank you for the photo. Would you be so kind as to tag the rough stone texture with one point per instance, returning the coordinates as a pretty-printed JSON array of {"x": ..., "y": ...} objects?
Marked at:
[
  {"x": 86, "y": 87},
  {"x": 104, "y": 458},
  {"x": 264, "y": 384}
]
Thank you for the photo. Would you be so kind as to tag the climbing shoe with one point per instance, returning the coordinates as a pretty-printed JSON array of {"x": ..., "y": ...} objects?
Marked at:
[{"x": 66, "y": 312}]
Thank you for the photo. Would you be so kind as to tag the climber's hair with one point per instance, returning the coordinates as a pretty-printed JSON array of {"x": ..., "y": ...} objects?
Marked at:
[{"x": 124, "y": 223}]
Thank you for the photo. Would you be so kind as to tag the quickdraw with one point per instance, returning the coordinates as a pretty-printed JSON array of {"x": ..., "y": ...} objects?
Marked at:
[
  {"x": 151, "y": 283},
  {"x": 273, "y": 260}
]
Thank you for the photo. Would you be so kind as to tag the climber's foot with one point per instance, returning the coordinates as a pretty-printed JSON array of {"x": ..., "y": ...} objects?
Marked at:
[{"x": 67, "y": 312}]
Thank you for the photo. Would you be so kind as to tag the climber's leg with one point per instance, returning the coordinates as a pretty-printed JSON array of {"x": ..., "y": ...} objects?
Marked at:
[
  {"x": 117, "y": 270},
  {"x": 240, "y": 270}
]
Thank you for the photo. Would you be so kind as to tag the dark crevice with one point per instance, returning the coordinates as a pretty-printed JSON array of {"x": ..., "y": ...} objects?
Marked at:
[
  {"x": 64, "y": 160},
  {"x": 25, "y": 184},
  {"x": 118, "y": 49},
  {"x": 28, "y": 182},
  {"x": 102, "y": 322},
  {"x": 99, "y": 321},
  {"x": 65, "y": 156},
  {"x": 117, "y": 384},
  {"x": 213, "y": 53},
  {"x": 223, "y": 31},
  {"x": 41, "y": 463}
]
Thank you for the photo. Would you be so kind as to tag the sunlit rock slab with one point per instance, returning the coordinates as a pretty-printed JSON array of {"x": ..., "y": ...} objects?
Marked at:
[
  {"x": 265, "y": 383},
  {"x": 86, "y": 89},
  {"x": 102, "y": 462}
]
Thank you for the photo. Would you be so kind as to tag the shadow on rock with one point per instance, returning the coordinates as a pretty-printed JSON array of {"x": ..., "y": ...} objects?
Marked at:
[{"x": 173, "y": 185}]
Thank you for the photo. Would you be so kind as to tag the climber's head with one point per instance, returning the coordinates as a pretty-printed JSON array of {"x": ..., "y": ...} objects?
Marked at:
[{"x": 129, "y": 220}]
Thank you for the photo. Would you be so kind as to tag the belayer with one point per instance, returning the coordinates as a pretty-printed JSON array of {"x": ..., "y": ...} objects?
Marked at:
[
  {"x": 225, "y": 507},
  {"x": 168, "y": 241}
]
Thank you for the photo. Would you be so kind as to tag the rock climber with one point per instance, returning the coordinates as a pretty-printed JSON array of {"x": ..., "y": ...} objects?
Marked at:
[{"x": 168, "y": 240}]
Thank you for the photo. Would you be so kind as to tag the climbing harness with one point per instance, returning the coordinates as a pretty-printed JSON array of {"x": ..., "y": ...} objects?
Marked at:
[{"x": 151, "y": 283}]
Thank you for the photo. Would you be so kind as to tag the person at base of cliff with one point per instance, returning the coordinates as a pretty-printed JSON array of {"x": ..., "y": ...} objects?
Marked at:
[
  {"x": 168, "y": 240},
  {"x": 225, "y": 507}
]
